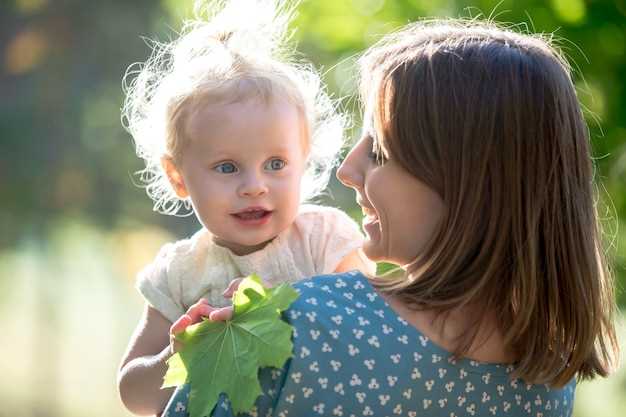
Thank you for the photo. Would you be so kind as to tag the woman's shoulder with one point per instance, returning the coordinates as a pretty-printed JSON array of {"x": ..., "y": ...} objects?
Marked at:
[
  {"x": 341, "y": 300},
  {"x": 334, "y": 303},
  {"x": 353, "y": 352},
  {"x": 348, "y": 288},
  {"x": 339, "y": 279}
]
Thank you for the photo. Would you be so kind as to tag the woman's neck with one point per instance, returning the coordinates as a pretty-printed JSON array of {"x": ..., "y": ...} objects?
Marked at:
[{"x": 445, "y": 330}]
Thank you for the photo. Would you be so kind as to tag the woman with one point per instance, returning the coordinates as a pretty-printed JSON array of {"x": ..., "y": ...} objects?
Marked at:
[{"x": 474, "y": 175}]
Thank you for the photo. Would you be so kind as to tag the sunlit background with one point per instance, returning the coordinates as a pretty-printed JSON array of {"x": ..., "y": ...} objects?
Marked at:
[{"x": 75, "y": 229}]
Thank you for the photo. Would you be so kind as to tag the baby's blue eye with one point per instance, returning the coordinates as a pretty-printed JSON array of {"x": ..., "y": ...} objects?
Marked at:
[
  {"x": 275, "y": 164},
  {"x": 226, "y": 168}
]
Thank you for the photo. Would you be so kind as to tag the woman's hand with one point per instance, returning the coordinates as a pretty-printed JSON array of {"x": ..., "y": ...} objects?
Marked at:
[{"x": 202, "y": 309}]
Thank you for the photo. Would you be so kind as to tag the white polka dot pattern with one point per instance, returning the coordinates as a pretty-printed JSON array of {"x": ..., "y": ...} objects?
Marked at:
[{"x": 353, "y": 356}]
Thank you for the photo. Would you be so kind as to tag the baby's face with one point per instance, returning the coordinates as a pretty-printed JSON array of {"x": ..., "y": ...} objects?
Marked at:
[{"x": 242, "y": 169}]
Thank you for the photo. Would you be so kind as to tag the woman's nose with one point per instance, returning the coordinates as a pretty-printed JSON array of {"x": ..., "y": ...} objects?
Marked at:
[
  {"x": 350, "y": 172},
  {"x": 252, "y": 185}
]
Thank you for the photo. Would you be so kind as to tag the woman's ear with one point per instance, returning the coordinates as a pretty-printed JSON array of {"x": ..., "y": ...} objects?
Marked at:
[{"x": 174, "y": 176}]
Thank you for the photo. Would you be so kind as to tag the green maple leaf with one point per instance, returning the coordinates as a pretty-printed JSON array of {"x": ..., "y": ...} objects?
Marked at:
[{"x": 225, "y": 356}]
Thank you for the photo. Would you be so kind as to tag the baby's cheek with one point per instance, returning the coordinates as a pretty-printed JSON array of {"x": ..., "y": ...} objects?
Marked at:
[{"x": 289, "y": 186}]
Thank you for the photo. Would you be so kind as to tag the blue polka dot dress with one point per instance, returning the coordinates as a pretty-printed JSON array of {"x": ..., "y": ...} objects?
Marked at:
[{"x": 353, "y": 356}]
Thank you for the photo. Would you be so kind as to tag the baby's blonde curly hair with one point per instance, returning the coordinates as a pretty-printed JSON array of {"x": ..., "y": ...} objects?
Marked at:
[{"x": 231, "y": 51}]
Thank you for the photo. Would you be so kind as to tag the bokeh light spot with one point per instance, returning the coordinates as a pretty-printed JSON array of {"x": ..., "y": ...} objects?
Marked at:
[
  {"x": 25, "y": 52},
  {"x": 30, "y": 6},
  {"x": 570, "y": 11},
  {"x": 368, "y": 7},
  {"x": 178, "y": 10}
]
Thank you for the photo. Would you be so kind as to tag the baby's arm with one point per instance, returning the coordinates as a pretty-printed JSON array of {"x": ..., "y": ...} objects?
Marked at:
[
  {"x": 143, "y": 366},
  {"x": 142, "y": 369},
  {"x": 357, "y": 260}
]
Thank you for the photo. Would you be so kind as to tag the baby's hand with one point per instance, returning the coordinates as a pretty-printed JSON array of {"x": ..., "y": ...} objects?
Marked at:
[
  {"x": 194, "y": 315},
  {"x": 202, "y": 309}
]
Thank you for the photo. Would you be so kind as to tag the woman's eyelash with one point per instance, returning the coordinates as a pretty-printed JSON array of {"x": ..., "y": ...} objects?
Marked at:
[
  {"x": 377, "y": 157},
  {"x": 374, "y": 154}
]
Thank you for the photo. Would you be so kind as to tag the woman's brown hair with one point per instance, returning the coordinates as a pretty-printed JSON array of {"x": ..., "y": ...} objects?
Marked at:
[{"x": 489, "y": 119}]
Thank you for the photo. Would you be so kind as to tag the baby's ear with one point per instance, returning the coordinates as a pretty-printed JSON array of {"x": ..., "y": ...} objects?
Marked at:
[{"x": 174, "y": 176}]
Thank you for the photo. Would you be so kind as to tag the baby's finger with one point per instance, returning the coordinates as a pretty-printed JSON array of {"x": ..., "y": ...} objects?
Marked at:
[
  {"x": 221, "y": 314},
  {"x": 232, "y": 287},
  {"x": 175, "y": 346},
  {"x": 199, "y": 310},
  {"x": 180, "y": 325},
  {"x": 176, "y": 328}
]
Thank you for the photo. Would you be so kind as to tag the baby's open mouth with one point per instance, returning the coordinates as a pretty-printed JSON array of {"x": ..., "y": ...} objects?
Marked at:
[{"x": 254, "y": 214}]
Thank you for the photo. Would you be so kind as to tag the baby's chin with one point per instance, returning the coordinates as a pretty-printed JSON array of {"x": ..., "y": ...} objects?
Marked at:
[{"x": 242, "y": 247}]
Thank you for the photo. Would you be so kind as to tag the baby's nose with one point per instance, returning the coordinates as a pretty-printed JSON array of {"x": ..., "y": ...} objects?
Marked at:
[{"x": 253, "y": 186}]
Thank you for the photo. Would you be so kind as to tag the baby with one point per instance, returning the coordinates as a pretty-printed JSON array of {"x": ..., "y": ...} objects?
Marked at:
[{"x": 229, "y": 125}]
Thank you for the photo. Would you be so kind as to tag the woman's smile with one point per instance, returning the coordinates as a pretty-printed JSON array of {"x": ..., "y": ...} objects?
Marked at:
[
  {"x": 371, "y": 222},
  {"x": 400, "y": 213}
]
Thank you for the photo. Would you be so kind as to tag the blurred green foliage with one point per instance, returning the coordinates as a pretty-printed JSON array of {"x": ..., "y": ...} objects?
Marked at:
[{"x": 65, "y": 154}]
